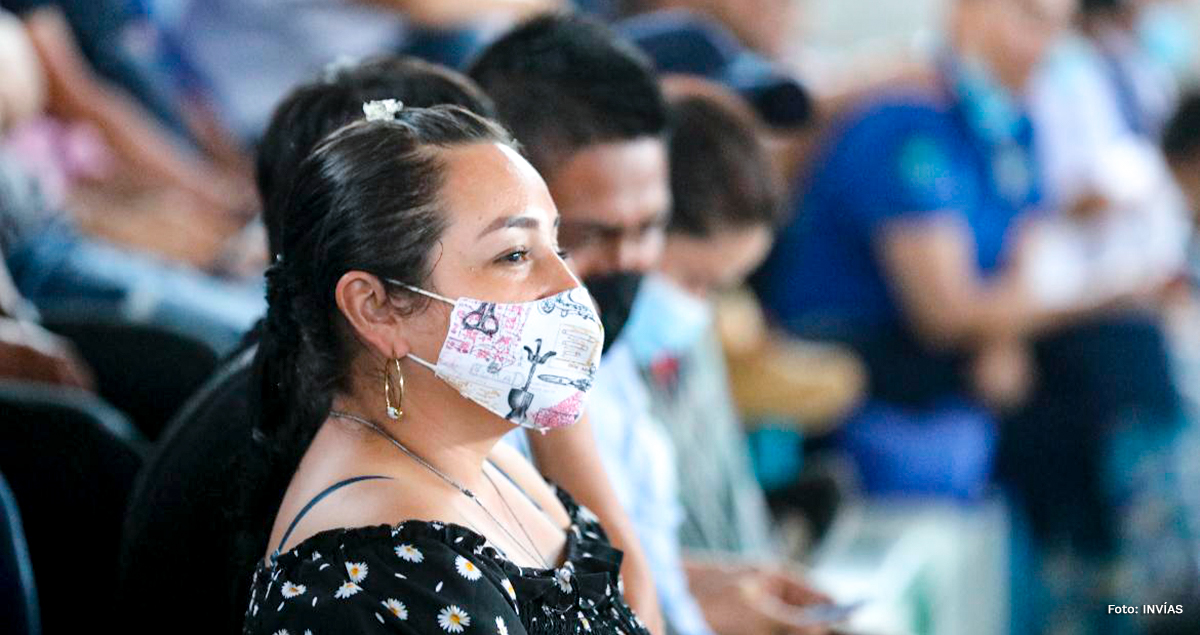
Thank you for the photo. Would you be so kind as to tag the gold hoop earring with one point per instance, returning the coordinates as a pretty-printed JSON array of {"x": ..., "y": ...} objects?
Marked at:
[{"x": 396, "y": 411}]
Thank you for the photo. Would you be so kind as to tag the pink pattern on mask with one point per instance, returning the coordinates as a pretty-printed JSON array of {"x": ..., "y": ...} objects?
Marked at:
[
  {"x": 502, "y": 349},
  {"x": 562, "y": 414}
]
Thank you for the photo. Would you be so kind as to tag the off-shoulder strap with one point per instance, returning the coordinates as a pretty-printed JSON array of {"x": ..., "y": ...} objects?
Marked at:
[{"x": 316, "y": 499}]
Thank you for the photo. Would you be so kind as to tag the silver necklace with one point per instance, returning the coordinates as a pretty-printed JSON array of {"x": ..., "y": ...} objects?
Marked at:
[
  {"x": 535, "y": 553},
  {"x": 517, "y": 518}
]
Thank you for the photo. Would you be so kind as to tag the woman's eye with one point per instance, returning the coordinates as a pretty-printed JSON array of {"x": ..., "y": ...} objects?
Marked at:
[
  {"x": 516, "y": 256},
  {"x": 564, "y": 254}
]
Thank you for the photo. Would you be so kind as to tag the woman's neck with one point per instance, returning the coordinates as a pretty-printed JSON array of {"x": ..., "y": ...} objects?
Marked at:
[{"x": 451, "y": 433}]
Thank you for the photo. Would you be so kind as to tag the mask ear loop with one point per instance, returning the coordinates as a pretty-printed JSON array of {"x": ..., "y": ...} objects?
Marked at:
[{"x": 428, "y": 294}]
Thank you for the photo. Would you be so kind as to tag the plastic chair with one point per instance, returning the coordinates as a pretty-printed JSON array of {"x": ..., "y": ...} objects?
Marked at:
[
  {"x": 146, "y": 371},
  {"x": 70, "y": 460},
  {"x": 18, "y": 594},
  {"x": 186, "y": 509}
]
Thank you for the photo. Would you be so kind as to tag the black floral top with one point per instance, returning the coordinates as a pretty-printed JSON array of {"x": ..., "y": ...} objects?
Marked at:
[{"x": 429, "y": 577}]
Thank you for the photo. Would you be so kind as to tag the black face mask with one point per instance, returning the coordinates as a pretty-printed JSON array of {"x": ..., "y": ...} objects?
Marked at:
[{"x": 614, "y": 294}]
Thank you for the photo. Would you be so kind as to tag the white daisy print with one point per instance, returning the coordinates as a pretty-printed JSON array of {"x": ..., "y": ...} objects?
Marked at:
[
  {"x": 587, "y": 626},
  {"x": 501, "y": 627},
  {"x": 467, "y": 569},
  {"x": 409, "y": 553},
  {"x": 282, "y": 631},
  {"x": 397, "y": 608},
  {"x": 356, "y": 570},
  {"x": 290, "y": 590},
  {"x": 316, "y": 556},
  {"x": 508, "y": 586},
  {"x": 453, "y": 619},
  {"x": 562, "y": 578},
  {"x": 346, "y": 590},
  {"x": 588, "y": 515}
]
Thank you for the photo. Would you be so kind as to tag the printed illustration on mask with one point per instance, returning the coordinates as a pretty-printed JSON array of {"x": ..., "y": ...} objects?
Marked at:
[
  {"x": 527, "y": 365},
  {"x": 520, "y": 398},
  {"x": 583, "y": 383},
  {"x": 566, "y": 304},
  {"x": 483, "y": 319}
]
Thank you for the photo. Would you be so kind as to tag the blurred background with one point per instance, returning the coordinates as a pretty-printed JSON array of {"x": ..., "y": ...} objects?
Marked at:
[{"x": 1060, "y": 478}]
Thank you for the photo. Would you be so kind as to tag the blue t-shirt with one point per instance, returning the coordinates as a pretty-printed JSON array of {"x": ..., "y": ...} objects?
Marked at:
[{"x": 905, "y": 156}]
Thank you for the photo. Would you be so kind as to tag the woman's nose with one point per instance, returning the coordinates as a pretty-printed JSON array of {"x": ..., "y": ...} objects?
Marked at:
[{"x": 559, "y": 276}]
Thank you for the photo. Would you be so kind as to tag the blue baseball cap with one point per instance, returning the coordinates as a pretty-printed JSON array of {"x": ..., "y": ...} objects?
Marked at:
[{"x": 683, "y": 42}]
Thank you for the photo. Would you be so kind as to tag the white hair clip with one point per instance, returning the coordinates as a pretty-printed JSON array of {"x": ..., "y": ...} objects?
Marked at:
[{"x": 382, "y": 109}]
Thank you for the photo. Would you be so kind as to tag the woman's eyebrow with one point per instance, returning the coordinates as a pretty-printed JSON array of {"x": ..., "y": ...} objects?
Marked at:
[{"x": 506, "y": 222}]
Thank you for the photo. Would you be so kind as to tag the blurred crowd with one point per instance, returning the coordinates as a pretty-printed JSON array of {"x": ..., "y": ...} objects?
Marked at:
[{"x": 840, "y": 297}]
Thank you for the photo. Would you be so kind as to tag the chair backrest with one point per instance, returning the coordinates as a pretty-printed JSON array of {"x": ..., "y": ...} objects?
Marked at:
[
  {"x": 186, "y": 508},
  {"x": 18, "y": 594},
  {"x": 70, "y": 460},
  {"x": 145, "y": 370}
]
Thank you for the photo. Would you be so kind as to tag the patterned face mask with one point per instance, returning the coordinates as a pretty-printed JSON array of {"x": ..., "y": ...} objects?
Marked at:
[{"x": 531, "y": 363}]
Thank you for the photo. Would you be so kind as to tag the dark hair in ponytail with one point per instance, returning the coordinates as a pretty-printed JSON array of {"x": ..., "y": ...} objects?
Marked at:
[{"x": 366, "y": 199}]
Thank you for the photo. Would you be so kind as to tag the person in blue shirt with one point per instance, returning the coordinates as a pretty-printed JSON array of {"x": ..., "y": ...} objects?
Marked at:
[
  {"x": 913, "y": 245},
  {"x": 906, "y": 242}
]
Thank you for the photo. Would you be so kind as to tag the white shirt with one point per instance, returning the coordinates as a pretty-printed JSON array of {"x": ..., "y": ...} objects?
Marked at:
[{"x": 1085, "y": 147}]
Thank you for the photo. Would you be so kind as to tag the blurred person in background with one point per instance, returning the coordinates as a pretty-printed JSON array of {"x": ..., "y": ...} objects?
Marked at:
[
  {"x": 58, "y": 269},
  {"x": 1181, "y": 144},
  {"x": 588, "y": 111},
  {"x": 788, "y": 388},
  {"x": 765, "y": 26},
  {"x": 252, "y": 52},
  {"x": 1119, "y": 222},
  {"x": 911, "y": 245},
  {"x": 26, "y": 350},
  {"x": 726, "y": 205},
  {"x": 903, "y": 245},
  {"x": 1117, "y": 228},
  {"x": 81, "y": 47}
]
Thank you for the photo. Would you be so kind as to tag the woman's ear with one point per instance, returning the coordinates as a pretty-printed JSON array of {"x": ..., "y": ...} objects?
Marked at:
[{"x": 365, "y": 303}]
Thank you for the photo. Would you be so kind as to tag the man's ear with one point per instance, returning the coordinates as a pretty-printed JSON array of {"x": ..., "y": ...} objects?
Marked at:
[{"x": 365, "y": 303}]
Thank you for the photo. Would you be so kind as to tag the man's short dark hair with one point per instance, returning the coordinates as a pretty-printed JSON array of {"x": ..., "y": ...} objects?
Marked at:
[
  {"x": 313, "y": 110},
  {"x": 721, "y": 175},
  {"x": 1181, "y": 138},
  {"x": 564, "y": 82}
]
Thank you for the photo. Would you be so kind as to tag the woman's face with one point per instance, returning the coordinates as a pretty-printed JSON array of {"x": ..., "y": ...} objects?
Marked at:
[{"x": 500, "y": 243}]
